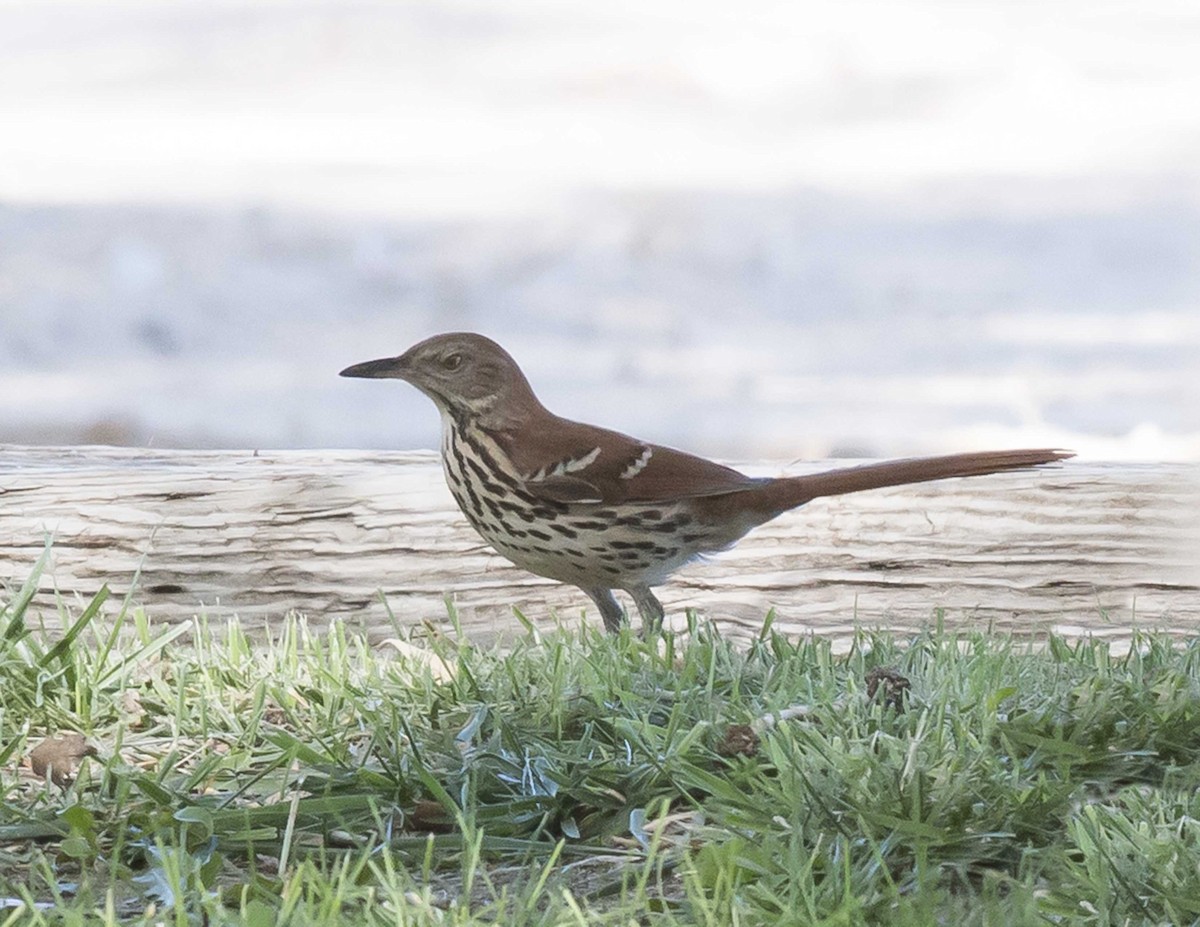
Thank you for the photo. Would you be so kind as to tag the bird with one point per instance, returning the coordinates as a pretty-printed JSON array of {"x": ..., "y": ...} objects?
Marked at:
[{"x": 601, "y": 510}]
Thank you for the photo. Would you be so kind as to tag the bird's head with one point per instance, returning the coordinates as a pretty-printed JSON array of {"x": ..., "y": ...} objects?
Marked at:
[{"x": 463, "y": 373}]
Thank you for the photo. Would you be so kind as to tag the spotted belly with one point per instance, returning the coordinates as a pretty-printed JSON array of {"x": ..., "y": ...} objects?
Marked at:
[{"x": 589, "y": 545}]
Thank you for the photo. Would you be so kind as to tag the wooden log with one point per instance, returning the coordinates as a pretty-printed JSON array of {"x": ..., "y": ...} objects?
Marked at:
[{"x": 1083, "y": 548}]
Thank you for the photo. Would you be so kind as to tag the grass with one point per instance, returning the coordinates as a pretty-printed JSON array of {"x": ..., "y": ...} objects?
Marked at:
[{"x": 575, "y": 778}]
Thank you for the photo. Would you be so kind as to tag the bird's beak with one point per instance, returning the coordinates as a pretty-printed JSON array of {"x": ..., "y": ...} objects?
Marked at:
[{"x": 385, "y": 367}]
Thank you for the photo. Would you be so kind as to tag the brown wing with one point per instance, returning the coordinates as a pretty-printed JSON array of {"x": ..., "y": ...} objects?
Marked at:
[{"x": 571, "y": 462}]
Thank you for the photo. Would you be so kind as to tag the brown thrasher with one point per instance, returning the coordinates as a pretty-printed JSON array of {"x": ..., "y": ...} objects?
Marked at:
[{"x": 596, "y": 508}]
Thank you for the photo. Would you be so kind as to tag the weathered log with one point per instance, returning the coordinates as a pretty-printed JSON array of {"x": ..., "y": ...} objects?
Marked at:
[{"x": 1083, "y": 547}]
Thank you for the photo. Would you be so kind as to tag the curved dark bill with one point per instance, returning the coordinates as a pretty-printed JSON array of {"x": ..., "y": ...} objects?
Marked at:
[{"x": 384, "y": 367}]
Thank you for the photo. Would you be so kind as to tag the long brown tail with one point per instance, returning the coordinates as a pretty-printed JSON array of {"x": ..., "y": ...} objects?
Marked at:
[{"x": 796, "y": 490}]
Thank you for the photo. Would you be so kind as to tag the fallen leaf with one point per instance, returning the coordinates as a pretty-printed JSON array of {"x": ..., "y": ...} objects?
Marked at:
[
  {"x": 439, "y": 669},
  {"x": 891, "y": 685},
  {"x": 60, "y": 756},
  {"x": 738, "y": 740},
  {"x": 131, "y": 707}
]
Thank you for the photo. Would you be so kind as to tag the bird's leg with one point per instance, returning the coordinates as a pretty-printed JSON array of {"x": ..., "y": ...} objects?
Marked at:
[
  {"x": 610, "y": 611},
  {"x": 649, "y": 608}
]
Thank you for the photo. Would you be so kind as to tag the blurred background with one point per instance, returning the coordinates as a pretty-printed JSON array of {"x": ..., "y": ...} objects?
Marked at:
[{"x": 780, "y": 229}]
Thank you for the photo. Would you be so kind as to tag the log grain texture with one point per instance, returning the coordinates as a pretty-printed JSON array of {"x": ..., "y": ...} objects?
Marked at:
[{"x": 1082, "y": 548}]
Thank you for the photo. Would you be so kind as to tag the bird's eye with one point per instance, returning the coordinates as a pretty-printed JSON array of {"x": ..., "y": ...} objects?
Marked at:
[{"x": 452, "y": 361}]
